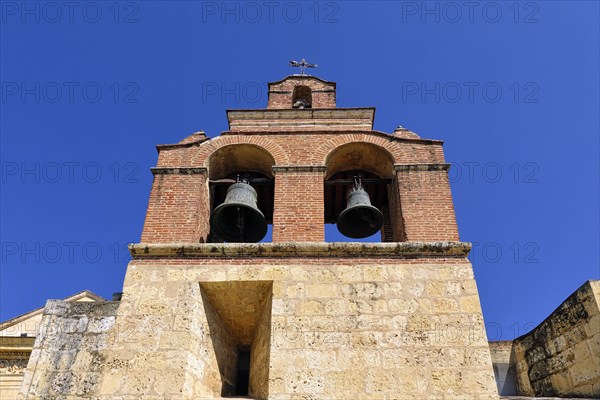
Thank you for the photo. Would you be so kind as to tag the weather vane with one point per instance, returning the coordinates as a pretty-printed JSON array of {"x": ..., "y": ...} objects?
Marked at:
[{"x": 303, "y": 64}]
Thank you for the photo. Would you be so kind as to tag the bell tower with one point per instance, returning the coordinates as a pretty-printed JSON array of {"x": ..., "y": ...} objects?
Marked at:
[{"x": 210, "y": 311}]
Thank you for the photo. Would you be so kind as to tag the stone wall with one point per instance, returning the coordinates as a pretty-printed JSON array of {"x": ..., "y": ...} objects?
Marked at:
[
  {"x": 392, "y": 326},
  {"x": 67, "y": 357},
  {"x": 561, "y": 356}
]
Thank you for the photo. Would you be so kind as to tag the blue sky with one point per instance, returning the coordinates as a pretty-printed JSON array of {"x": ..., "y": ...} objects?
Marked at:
[{"x": 88, "y": 90}]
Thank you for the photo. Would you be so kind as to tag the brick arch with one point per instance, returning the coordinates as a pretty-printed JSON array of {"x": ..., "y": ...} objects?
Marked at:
[
  {"x": 359, "y": 155},
  {"x": 326, "y": 149},
  {"x": 269, "y": 146}
]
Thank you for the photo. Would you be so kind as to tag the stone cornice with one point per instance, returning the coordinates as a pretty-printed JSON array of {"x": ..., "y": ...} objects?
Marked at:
[
  {"x": 298, "y": 120},
  {"x": 317, "y": 131},
  {"x": 299, "y": 76},
  {"x": 253, "y": 113},
  {"x": 15, "y": 355},
  {"x": 16, "y": 347},
  {"x": 421, "y": 167},
  {"x": 314, "y": 91},
  {"x": 17, "y": 341},
  {"x": 299, "y": 168},
  {"x": 305, "y": 249},
  {"x": 179, "y": 171},
  {"x": 199, "y": 141}
]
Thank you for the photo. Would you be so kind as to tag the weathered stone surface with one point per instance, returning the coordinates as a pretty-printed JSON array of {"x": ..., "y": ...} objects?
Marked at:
[
  {"x": 343, "y": 329},
  {"x": 366, "y": 331},
  {"x": 69, "y": 351},
  {"x": 561, "y": 357},
  {"x": 304, "y": 249}
]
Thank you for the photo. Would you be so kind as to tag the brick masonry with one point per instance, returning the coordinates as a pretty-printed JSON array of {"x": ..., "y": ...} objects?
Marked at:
[{"x": 420, "y": 197}]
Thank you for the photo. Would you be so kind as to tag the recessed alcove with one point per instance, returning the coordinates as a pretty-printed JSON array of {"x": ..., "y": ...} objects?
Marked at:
[
  {"x": 238, "y": 314},
  {"x": 302, "y": 97}
]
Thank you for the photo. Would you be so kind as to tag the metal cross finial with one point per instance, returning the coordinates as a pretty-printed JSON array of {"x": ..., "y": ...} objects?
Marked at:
[{"x": 303, "y": 64}]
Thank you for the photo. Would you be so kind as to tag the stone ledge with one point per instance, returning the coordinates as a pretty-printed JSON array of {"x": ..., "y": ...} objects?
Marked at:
[
  {"x": 543, "y": 398},
  {"x": 317, "y": 131},
  {"x": 421, "y": 167},
  {"x": 306, "y": 249},
  {"x": 16, "y": 347},
  {"x": 179, "y": 171},
  {"x": 298, "y": 168}
]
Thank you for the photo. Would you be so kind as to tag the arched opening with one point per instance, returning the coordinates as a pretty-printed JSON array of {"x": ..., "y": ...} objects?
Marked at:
[
  {"x": 360, "y": 156},
  {"x": 302, "y": 97},
  {"x": 372, "y": 167},
  {"x": 240, "y": 157},
  {"x": 243, "y": 163}
]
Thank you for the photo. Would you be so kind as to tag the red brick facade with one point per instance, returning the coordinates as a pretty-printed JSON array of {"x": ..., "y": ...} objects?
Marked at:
[{"x": 297, "y": 144}]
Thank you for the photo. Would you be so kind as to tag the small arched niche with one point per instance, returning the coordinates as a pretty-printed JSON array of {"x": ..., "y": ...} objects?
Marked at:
[
  {"x": 302, "y": 97},
  {"x": 242, "y": 162},
  {"x": 373, "y": 165}
]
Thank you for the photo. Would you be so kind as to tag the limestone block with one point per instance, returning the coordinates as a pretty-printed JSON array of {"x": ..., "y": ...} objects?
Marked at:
[
  {"x": 469, "y": 304},
  {"x": 322, "y": 290}
]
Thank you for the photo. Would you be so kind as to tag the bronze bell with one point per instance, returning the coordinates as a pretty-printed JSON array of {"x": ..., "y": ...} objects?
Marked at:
[
  {"x": 238, "y": 219},
  {"x": 360, "y": 219}
]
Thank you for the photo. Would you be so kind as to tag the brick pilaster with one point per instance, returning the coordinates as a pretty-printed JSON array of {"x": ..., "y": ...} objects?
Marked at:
[
  {"x": 179, "y": 208},
  {"x": 425, "y": 202},
  {"x": 299, "y": 209}
]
